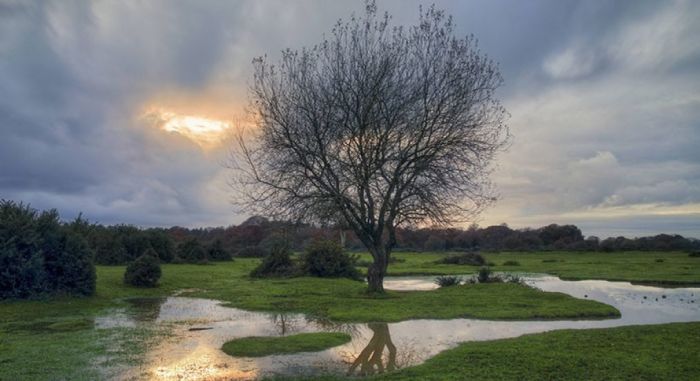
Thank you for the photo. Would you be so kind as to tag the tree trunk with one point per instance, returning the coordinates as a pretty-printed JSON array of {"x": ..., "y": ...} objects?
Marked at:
[
  {"x": 342, "y": 238},
  {"x": 376, "y": 271}
]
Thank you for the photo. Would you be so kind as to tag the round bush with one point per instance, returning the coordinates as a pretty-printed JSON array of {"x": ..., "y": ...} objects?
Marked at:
[
  {"x": 278, "y": 263},
  {"x": 144, "y": 271},
  {"x": 217, "y": 252},
  {"x": 191, "y": 251},
  {"x": 327, "y": 259}
]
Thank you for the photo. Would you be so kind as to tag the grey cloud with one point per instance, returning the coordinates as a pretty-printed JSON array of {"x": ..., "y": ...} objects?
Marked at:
[{"x": 603, "y": 99}]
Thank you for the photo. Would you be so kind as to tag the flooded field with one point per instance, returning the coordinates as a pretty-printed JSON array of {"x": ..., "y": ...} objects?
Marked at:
[{"x": 199, "y": 327}]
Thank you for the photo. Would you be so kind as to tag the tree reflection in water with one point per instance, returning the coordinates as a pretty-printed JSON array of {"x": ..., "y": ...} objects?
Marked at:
[
  {"x": 145, "y": 309},
  {"x": 284, "y": 323},
  {"x": 370, "y": 360}
]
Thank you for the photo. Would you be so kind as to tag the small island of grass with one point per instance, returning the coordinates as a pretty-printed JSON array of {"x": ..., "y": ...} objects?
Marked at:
[{"x": 304, "y": 342}]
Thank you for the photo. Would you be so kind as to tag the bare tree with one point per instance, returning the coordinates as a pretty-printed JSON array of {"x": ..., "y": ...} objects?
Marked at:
[{"x": 379, "y": 126}]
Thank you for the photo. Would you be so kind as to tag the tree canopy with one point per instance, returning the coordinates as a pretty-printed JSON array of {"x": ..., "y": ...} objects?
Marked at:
[{"x": 378, "y": 126}]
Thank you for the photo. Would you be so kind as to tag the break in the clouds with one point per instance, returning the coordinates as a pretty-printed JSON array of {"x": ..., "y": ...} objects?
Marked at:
[{"x": 116, "y": 109}]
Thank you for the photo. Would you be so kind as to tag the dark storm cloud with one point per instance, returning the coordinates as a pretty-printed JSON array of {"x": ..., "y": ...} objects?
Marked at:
[{"x": 603, "y": 96}]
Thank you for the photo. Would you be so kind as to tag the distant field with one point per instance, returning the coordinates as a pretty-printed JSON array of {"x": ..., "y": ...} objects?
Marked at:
[{"x": 676, "y": 268}]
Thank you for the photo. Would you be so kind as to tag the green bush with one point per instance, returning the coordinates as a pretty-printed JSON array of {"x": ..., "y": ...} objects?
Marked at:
[
  {"x": 469, "y": 258},
  {"x": 695, "y": 254},
  {"x": 326, "y": 258},
  {"x": 72, "y": 270},
  {"x": 277, "y": 263},
  {"x": 484, "y": 275},
  {"x": 251, "y": 252},
  {"x": 448, "y": 280},
  {"x": 162, "y": 244},
  {"x": 191, "y": 251},
  {"x": 144, "y": 271},
  {"x": 216, "y": 251},
  {"x": 108, "y": 246},
  {"x": 511, "y": 263},
  {"x": 40, "y": 256}
]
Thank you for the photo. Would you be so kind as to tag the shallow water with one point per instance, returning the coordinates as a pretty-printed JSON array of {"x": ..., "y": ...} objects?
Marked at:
[{"x": 194, "y": 354}]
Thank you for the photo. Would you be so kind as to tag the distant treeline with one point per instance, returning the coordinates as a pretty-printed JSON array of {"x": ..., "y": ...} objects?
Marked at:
[
  {"x": 40, "y": 255},
  {"x": 120, "y": 244},
  {"x": 258, "y": 231}
]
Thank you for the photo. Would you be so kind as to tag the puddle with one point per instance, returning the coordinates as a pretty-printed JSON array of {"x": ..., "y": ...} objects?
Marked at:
[{"x": 193, "y": 353}]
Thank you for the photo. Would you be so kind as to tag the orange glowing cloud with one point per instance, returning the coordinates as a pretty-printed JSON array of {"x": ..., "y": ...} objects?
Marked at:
[
  {"x": 205, "y": 131},
  {"x": 205, "y": 118}
]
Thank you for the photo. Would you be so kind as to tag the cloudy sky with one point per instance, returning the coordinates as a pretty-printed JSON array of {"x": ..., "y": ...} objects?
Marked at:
[{"x": 103, "y": 105}]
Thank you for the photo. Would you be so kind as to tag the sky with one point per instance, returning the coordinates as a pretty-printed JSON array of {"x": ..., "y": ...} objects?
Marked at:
[{"x": 117, "y": 109}]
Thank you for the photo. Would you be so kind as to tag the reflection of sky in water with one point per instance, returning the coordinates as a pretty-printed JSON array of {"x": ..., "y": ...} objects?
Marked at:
[{"x": 375, "y": 347}]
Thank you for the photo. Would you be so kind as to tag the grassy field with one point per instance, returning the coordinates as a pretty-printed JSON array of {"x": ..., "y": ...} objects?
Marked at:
[
  {"x": 676, "y": 268},
  {"x": 55, "y": 339},
  {"x": 664, "y": 352},
  {"x": 303, "y": 342}
]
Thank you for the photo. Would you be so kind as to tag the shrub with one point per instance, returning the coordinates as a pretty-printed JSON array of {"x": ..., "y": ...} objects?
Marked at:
[
  {"x": 448, "y": 280},
  {"x": 22, "y": 273},
  {"x": 326, "y": 258},
  {"x": 484, "y": 275},
  {"x": 277, "y": 263},
  {"x": 40, "y": 256},
  {"x": 251, "y": 252},
  {"x": 469, "y": 258},
  {"x": 72, "y": 270},
  {"x": 217, "y": 252},
  {"x": 695, "y": 254},
  {"x": 512, "y": 278},
  {"x": 134, "y": 240},
  {"x": 511, "y": 263},
  {"x": 109, "y": 249},
  {"x": 144, "y": 271},
  {"x": 659, "y": 260},
  {"x": 191, "y": 251},
  {"x": 549, "y": 260},
  {"x": 162, "y": 244}
]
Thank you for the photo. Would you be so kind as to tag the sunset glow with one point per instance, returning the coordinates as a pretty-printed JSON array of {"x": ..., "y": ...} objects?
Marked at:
[{"x": 205, "y": 131}]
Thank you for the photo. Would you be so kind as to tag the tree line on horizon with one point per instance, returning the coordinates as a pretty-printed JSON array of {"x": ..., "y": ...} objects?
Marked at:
[
  {"x": 259, "y": 231},
  {"x": 42, "y": 255}
]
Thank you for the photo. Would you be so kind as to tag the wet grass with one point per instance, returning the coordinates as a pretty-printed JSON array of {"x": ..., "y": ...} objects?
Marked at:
[
  {"x": 303, "y": 342},
  {"x": 660, "y": 352}
]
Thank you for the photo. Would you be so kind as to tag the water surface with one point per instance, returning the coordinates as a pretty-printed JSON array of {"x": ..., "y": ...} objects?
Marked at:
[{"x": 201, "y": 326}]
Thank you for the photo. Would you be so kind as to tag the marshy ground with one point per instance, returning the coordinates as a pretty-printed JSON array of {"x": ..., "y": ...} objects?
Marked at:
[{"x": 119, "y": 332}]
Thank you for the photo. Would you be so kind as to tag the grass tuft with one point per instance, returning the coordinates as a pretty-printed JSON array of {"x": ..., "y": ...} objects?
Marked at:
[{"x": 265, "y": 346}]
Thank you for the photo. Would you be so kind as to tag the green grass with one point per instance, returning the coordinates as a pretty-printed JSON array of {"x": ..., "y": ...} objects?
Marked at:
[
  {"x": 655, "y": 352},
  {"x": 54, "y": 339},
  {"x": 662, "y": 352},
  {"x": 303, "y": 342},
  {"x": 638, "y": 267},
  {"x": 346, "y": 300}
]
